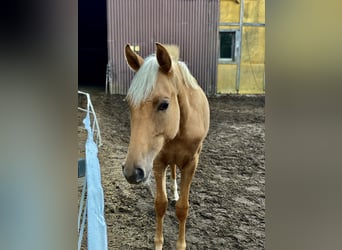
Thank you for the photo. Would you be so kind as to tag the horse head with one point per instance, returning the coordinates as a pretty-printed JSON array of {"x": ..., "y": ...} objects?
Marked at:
[{"x": 154, "y": 109}]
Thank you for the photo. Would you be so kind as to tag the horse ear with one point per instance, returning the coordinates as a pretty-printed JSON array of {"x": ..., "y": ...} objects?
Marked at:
[
  {"x": 163, "y": 58},
  {"x": 132, "y": 58}
]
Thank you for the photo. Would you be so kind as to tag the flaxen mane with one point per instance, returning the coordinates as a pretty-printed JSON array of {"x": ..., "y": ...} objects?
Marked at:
[{"x": 145, "y": 79}]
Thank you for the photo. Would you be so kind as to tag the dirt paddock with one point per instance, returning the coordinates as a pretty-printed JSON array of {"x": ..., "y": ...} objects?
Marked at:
[{"x": 227, "y": 198}]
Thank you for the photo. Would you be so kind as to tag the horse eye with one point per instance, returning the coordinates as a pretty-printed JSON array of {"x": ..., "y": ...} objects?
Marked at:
[{"x": 163, "y": 106}]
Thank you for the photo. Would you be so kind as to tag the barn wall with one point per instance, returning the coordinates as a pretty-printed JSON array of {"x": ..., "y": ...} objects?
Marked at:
[
  {"x": 192, "y": 25},
  {"x": 252, "y": 64}
]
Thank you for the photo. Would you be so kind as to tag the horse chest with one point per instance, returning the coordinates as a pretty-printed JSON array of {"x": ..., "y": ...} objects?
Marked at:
[{"x": 178, "y": 152}]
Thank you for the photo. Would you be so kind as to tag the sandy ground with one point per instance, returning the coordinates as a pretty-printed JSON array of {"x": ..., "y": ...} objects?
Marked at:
[{"x": 227, "y": 199}]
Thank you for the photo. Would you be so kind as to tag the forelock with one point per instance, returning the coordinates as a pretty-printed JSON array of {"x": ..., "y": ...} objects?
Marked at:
[{"x": 143, "y": 81}]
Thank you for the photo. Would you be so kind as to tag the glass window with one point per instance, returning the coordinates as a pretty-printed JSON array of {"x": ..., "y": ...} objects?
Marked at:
[{"x": 227, "y": 45}]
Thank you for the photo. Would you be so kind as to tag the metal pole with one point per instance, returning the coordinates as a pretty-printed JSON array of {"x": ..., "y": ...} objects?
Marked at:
[
  {"x": 240, "y": 47},
  {"x": 264, "y": 87}
]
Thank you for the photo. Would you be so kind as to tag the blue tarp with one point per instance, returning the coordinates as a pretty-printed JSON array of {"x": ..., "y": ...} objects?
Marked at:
[{"x": 96, "y": 225}]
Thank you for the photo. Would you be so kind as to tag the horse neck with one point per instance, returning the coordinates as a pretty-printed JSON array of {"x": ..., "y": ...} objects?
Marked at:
[
  {"x": 194, "y": 110},
  {"x": 185, "y": 101}
]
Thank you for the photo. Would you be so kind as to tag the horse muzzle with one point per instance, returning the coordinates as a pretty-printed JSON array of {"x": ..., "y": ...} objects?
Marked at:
[{"x": 136, "y": 175}]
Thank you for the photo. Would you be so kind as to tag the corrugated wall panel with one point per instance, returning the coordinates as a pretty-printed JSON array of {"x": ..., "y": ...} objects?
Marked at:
[{"x": 192, "y": 25}]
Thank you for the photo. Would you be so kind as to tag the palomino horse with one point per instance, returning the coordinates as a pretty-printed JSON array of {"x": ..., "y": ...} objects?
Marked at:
[{"x": 169, "y": 121}]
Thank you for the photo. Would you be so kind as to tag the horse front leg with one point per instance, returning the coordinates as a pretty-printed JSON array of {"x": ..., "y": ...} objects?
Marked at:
[
  {"x": 182, "y": 205},
  {"x": 160, "y": 204}
]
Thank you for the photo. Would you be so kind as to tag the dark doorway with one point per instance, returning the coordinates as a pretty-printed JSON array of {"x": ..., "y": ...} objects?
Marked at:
[{"x": 92, "y": 42}]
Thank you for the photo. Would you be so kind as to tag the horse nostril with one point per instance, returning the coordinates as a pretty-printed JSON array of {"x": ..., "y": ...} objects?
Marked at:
[
  {"x": 139, "y": 174},
  {"x": 135, "y": 175}
]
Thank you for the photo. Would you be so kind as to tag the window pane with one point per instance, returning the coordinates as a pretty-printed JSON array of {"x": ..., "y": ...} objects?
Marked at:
[{"x": 227, "y": 45}]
